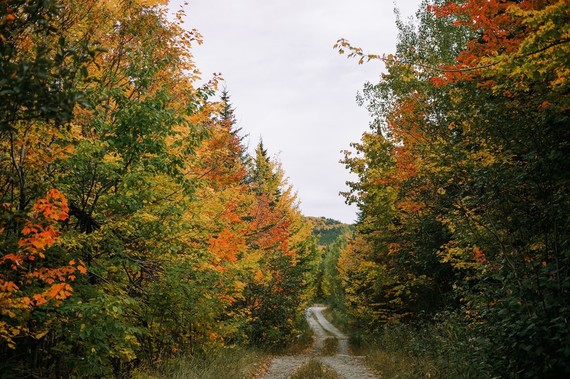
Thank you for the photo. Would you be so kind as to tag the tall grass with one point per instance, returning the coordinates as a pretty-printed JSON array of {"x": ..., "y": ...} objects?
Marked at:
[
  {"x": 330, "y": 346},
  {"x": 443, "y": 349},
  {"x": 315, "y": 370},
  {"x": 229, "y": 363}
]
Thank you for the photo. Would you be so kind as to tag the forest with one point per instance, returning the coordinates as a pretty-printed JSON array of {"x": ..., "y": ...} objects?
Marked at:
[
  {"x": 462, "y": 186},
  {"x": 134, "y": 223},
  {"x": 136, "y": 227}
]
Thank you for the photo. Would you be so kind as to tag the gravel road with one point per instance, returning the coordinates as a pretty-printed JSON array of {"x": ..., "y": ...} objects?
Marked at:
[{"x": 346, "y": 365}]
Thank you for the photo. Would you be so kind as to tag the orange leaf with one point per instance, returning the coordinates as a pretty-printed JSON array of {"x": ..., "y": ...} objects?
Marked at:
[{"x": 39, "y": 299}]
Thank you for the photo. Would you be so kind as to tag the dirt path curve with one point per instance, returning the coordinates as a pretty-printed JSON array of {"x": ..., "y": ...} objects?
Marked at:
[
  {"x": 347, "y": 366},
  {"x": 342, "y": 339}
]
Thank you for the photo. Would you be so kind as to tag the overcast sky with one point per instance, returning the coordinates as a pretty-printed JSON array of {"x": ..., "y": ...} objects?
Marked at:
[{"x": 290, "y": 88}]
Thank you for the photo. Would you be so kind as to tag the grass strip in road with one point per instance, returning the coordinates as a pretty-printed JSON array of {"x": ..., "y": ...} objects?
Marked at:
[
  {"x": 315, "y": 370},
  {"x": 330, "y": 347}
]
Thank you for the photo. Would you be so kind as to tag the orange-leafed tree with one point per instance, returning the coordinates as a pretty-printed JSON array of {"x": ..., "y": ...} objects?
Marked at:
[
  {"x": 33, "y": 272},
  {"x": 281, "y": 239}
]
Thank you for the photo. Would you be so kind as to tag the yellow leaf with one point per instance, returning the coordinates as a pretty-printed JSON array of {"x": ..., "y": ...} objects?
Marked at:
[{"x": 40, "y": 334}]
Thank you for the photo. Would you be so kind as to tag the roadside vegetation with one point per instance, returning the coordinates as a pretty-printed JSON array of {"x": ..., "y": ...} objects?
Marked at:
[
  {"x": 441, "y": 350},
  {"x": 235, "y": 362},
  {"x": 459, "y": 264},
  {"x": 228, "y": 363}
]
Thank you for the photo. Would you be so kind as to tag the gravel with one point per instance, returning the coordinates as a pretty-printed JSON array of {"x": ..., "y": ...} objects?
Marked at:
[{"x": 346, "y": 365}]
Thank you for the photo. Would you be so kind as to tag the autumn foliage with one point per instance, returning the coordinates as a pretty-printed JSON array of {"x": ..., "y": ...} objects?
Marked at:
[
  {"x": 463, "y": 185},
  {"x": 159, "y": 234},
  {"x": 29, "y": 280}
]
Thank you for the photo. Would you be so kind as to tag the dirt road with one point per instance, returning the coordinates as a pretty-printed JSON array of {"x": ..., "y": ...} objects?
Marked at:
[{"x": 346, "y": 365}]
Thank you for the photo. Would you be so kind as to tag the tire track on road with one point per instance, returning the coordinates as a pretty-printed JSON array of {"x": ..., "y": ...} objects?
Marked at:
[{"x": 347, "y": 366}]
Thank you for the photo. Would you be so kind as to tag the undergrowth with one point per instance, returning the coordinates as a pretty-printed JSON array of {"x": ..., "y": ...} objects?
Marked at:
[
  {"x": 229, "y": 363},
  {"x": 443, "y": 350},
  {"x": 299, "y": 343}
]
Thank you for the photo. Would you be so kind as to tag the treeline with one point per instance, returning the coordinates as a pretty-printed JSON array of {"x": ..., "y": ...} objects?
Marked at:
[
  {"x": 463, "y": 184},
  {"x": 134, "y": 224}
]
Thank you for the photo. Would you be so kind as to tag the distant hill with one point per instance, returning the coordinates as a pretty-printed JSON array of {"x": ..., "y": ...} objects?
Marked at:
[{"x": 328, "y": 230}]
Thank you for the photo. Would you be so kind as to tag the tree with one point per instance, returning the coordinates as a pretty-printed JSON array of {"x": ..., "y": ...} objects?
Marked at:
[
  {"x": 35, "y": 274},
  {"x": 280, "y": 237},
  {"x": 39, "y": 66}
]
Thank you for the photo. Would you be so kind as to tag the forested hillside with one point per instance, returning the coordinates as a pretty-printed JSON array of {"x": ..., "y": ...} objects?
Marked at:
[
  {"x": 462, "y": 187},
  {"x": 332, "y": 238},
  {"x": 134, "y": 224},
  {"x": 328, "y": 230}
]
